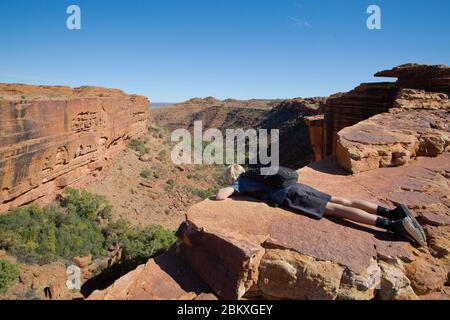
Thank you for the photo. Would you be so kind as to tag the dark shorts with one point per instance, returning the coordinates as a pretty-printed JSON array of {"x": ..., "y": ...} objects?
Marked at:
[{"x": 303, "y": 199}]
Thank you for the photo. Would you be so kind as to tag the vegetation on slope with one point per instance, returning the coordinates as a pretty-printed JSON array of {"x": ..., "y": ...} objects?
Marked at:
[
  {"x": 9, "y": 274},
  {"x": 139, "y": 146},
  {"x": 138, "y": 244},
  {"x": 78, "y": 225}
]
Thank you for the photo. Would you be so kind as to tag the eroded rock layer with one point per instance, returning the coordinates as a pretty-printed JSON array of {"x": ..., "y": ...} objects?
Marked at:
[
  {"x": 53, "y": 137},
  {"x": 363, "y": 102},
  {"x": 417, "y": 126},
  {"x": 434, "y": 78},
  {"x": 430, "y": 84}
]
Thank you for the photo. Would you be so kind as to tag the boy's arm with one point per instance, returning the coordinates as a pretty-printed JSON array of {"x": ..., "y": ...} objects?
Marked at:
[{"x": 224, "y": 193}]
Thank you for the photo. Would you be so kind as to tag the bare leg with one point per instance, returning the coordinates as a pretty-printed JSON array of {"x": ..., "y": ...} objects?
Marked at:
[
  {"x": 352, "y": 214},
  {"x": 367, "y": 206}
]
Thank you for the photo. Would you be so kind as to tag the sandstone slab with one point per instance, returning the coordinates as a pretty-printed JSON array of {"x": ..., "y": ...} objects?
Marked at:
[
  {"x": 242, "y": 246},
  {"x": 426, "y": 77}
]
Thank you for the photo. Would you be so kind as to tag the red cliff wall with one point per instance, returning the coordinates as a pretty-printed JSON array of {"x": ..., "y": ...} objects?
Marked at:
[
  {"x": 53, "y": 137},
  {"x": 370, "y": 99},
  {"x": 363, "y": 102}
]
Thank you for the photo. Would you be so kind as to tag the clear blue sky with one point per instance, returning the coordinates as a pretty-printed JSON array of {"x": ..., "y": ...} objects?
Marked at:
[{"x": 172, "y": 50}]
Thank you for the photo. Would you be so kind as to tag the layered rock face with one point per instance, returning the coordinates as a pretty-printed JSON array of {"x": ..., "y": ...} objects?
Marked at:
[
  {"x": 246, "y": 249},
  {"x": 363, "y": 102},
  {"x": 417, "y": 123},
  {"x": 434, "y": 78},
  {"x": 430, "y": 86},
  {"x": 418, "y": 126},
  {"x": 53, "y": 137}
]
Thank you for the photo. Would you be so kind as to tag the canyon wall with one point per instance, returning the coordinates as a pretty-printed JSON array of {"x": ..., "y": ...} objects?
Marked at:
[
  {"x": 53, "y": 137},
  {"x": 416, "y": 126},
  {"x": 346, "y": 110},
  {"x": 285, "y": 115},
  {"x": 296, "y": 147},
  {"x": 423, "y": 87}
]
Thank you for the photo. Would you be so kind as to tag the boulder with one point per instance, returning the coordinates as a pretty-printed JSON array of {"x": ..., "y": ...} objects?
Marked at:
[
  {"x": 417, "y": 87},
  {"x": 290, "y": 275},
  {"x": 163, "y": 278},
  {"x": 242, "y": 247},
  {"x": 394, "y": 284}
]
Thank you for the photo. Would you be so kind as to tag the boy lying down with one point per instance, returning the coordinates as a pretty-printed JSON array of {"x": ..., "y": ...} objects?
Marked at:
[{"x": 283, "y": 190}]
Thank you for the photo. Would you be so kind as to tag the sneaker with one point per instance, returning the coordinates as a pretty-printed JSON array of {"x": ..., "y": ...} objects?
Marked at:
[
  {"x": 407, "y": 228},
  {"x": 402, "y": 212}
]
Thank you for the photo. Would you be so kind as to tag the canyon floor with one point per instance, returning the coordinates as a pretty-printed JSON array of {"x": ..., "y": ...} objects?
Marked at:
[{"x": 164, "y": 194}]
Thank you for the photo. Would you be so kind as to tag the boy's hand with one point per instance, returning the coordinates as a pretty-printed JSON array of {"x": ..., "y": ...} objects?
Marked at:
[{"x": 224, "y": 193}]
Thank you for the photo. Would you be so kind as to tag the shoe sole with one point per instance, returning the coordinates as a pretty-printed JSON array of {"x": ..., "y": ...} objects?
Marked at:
[
  {"x": 416, "y": 224},
  {"x": 412, "y": 232}
]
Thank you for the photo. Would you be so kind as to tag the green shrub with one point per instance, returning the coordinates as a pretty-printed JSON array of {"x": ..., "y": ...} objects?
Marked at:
[
  {"x": 138, "y": 245},
  {"x": 170, "y": 184},
  {"x": 204, "y": 194},
  {"x": 87, "y": 205},
  {"x": 75, "y": 227},
  {"x": 9, "y": 274},
  {"x": 62, "y": 230},
  {"x": 146, "y": 173},
  {"x": 139, "y": 146},
  {"x": 80, "y": 238},
  {"x": 162, "y": 154},
  {"x": 155, "y": 131}
]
